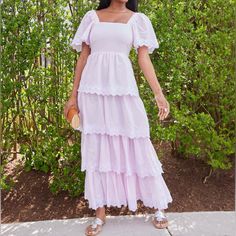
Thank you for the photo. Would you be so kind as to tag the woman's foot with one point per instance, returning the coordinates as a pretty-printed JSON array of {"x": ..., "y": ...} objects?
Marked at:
[
  {"x": 160, "y": 220},
  {"x": 96, "y": 226}
]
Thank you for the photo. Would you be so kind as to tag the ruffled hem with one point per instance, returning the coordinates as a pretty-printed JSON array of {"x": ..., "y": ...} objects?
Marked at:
[
  {"x": 116, "y": 91},
  {"x": 113, "y": 132},
  {"x": 112, "y": 189},
  {"x": 123, "y": 155},
  {"x": 151, "y": 46},
  {"x": 113, "y": 115}
]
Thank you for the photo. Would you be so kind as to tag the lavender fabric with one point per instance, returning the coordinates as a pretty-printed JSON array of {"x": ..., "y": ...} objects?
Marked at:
[{"x": 117, "y": 154}]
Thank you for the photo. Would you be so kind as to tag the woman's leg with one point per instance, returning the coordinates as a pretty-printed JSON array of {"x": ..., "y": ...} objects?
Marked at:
[{"x": 101, "y": 213}]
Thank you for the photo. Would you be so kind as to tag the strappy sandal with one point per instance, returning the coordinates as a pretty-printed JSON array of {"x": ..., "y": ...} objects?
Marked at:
[
  {"x": 95, "y": 228},
  {"x": 160, "y": 220}
]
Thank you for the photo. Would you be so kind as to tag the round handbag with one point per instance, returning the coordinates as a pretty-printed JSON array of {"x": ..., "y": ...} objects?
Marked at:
[{"x": 73, "y": 117}]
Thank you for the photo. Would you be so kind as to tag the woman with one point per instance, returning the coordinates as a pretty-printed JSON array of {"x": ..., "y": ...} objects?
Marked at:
[{"x": 120, "y": 161}]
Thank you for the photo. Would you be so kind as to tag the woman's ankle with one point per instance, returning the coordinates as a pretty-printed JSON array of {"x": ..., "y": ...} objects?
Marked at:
[{"x": 101, "y": 213}]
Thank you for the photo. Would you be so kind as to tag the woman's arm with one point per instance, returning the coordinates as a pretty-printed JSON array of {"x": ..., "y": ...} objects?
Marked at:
[
  {"x": 79, "y": 68},
  {"x": 85, "y": 51},
  {"x": 148, "y": 70}
]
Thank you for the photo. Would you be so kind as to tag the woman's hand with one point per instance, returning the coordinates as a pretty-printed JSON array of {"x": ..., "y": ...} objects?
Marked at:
[
  {"x": 70, "y": 103},
  {"x": 163, "y": 106}
]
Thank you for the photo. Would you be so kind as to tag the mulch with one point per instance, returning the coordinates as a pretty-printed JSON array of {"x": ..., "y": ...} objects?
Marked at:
[{"x": 31, "y": 199}]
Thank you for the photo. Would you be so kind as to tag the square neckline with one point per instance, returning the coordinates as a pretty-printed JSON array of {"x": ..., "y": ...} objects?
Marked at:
[{"x": 110, "y": 22}]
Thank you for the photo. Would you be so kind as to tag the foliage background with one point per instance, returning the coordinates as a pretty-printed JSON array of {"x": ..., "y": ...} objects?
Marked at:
[{"x": 194, "y": 65}]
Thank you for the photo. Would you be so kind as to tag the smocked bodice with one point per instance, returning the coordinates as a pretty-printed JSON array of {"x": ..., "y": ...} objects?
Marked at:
[{"x": 104, "y": 38}]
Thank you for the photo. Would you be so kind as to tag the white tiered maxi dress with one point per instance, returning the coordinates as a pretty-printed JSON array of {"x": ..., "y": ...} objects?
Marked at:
[{"x": 120, "y": 161}]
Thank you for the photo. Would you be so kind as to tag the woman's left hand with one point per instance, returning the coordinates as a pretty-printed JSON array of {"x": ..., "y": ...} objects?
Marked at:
[{"x": 163, "y": 106}]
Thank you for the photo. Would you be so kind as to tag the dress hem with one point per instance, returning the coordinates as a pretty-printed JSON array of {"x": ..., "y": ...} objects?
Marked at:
[
  {"x": 112, "y": 189},
  {"x": 108, "y": 92},
  {"x": 101, "y": 132},
  {"x": 125, "y": 173},
  {"x": 161, "y": 207}
]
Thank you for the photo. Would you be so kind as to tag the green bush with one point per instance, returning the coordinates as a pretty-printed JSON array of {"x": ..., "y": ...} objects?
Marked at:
[{"x": 195, "y": 67}]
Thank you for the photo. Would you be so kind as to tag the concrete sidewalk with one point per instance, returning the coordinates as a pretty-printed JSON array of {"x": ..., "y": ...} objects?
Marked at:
[{"x": 181, "y": 224}]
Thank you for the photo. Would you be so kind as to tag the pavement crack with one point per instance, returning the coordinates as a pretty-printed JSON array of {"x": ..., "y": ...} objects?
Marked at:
[{"x": 169, "y": 231}]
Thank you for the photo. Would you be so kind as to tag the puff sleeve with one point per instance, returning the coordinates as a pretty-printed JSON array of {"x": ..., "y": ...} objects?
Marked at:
[
  {"x": 82, "y": 32},
  {"x": 143, "y": 33}
]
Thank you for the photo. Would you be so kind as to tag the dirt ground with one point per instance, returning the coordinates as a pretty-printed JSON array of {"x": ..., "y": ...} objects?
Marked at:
[{"x": 31, "y": 200}]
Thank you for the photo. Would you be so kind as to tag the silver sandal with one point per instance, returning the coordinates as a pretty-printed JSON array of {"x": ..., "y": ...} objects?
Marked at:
[
  {"x": 160, "y": 220},
  {"x": 95, "y": 227}
]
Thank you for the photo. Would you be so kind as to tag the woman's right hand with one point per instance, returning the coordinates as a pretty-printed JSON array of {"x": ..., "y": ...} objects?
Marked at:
[
  {"x": 163, "y": 106},
  {"x": 70, "y": 103}
]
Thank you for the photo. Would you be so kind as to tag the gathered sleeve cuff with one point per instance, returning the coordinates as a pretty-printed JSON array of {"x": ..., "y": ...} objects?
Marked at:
[
  {"x": 83, "y": 31},
  {"x": 143, "y": 33}
]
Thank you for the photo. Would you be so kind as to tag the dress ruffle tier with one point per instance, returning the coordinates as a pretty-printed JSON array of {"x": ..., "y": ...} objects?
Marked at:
[
  {"x": 114, "y": 189},
  {"x": 117, "y": 154},
  {"x": 113, "y": 114}
]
